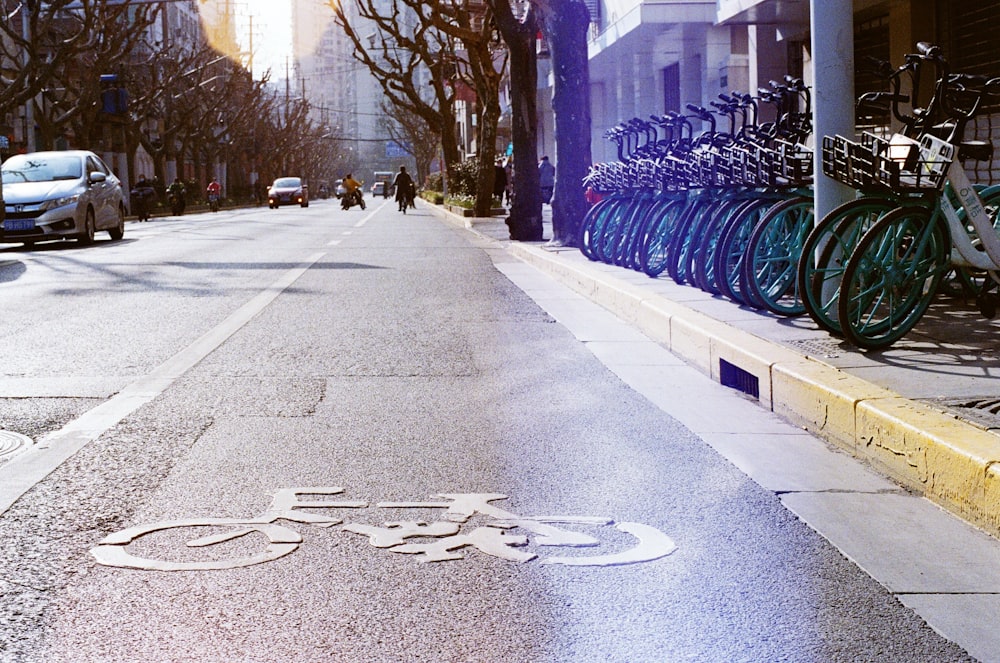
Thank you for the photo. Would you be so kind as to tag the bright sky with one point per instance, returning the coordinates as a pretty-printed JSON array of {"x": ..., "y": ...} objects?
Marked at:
[
  {"x": 271, "y": 33},
  {"x": 272, "y": 39}
]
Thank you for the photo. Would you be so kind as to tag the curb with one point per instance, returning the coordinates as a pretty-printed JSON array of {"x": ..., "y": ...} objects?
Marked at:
[{"x": 928, "y": 451}]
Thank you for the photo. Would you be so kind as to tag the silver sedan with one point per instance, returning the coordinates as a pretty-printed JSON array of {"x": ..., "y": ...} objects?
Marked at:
[{"x": 60, "y": 195}]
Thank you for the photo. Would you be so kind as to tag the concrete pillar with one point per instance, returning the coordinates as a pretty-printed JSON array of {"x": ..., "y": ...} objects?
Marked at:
[
  {"x": 768, "y": 62},
  {"x": 626, "y": 88},
  {"x": 833, "y": 91},
  {"x": 645, "y": 88}
]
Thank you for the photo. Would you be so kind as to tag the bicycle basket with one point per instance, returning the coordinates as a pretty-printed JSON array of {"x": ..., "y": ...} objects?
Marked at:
[
  {"x": 907, "y": 166},
  {"x": 783, "y": 165},
  {"x": 796, "y": 164},
  {"x": 850, "y": 162},
  {"x": 899, "y": 164}
]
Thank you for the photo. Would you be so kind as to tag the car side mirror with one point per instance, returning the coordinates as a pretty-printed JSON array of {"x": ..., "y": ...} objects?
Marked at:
[{"x": 97, "y": 177}]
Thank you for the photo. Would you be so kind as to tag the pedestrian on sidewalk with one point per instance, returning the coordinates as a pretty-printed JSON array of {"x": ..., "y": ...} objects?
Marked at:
[
  {"x": 508, "y": 170},
  {"x": 546, "y": 179},
  {"x": 499, "y": 180}
]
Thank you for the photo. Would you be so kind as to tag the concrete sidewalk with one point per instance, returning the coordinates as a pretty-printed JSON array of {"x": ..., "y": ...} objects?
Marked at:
[{"x": 924, "y": 413}]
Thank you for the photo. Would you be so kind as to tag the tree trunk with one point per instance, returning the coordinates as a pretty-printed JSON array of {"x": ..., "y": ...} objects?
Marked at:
[
  {"x": 449, "y": 145},
  {"x": 489, "y": 117},
  {"x": 525, "y": 220},
  {"x": 566, "y": 27}
]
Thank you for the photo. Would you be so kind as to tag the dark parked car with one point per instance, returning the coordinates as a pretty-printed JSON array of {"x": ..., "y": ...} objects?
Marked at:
[
  {"x": 60, "y": 195},
  {"x": 288, "y": 191}
]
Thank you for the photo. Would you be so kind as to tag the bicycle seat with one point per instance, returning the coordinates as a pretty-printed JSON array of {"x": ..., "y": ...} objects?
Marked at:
[{"x": 979, "y": 150}]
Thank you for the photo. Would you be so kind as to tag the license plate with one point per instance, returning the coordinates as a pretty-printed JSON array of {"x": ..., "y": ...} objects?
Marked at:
[{"x": 19, "y": 224}]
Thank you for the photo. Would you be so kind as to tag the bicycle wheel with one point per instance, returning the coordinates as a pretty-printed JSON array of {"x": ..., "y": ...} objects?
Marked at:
[
  {"x": 685, "y": 240},
  {"x": 281, "y": 541},
  {"x": 606, "y": 231},
  {"x": 826, "y": 250},
  {"x": 624, "y": 234},
  {"x": 772, "y": 256},
  {"x": 702, "y": 264},
  {"x": 732, "y": 247},
  {"x": 656, "y": 250},
  {"x": 892, "y": 276},
  {"x": 644, "y": 227},
  {"x": 588, "y": 228}
]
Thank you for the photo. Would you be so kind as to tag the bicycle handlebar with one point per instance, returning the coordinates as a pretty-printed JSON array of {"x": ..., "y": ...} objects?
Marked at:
[{"x": 928, "y": 50}]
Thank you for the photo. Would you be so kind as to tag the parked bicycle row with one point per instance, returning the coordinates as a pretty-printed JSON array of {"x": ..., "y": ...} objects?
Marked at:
[
  {"x": 871, "y": 267},
  {"x": 715, "y": 210},
  {"x": 732, "y": 213}
]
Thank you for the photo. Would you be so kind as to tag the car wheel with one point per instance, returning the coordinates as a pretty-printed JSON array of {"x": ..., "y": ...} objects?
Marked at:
[
  {"x": 305, "y": 204},
  {"x": 118, "y": 231},
  {"x": 87, "y": 236}
]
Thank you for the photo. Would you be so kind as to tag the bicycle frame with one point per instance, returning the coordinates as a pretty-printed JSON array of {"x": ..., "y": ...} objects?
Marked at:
[{"x": 964, "y": 252}]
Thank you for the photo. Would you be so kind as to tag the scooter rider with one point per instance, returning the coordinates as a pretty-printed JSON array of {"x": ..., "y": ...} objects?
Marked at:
[
  {"x": 176, "y": 192},
  {"x": 142, "y": 195},
  {"x": 353, "y": 193},
  {"x": 214, "y": 191}
]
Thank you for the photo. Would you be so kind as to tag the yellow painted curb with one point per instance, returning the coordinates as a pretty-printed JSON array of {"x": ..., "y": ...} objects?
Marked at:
[
  {"x": 822, "y": 399},
  {"x": 950, "y": 461}
]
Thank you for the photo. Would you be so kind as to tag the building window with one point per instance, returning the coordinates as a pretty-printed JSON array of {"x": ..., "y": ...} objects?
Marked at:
[{"x": 672, "y": 88}]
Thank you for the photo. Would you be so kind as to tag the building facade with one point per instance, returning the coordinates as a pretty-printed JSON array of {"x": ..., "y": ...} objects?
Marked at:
[{"x": 655, "y": 56}]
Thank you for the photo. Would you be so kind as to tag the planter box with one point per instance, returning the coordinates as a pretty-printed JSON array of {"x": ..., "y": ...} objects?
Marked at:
[
  {"x": 466, "y": 212},
  {"x": 461, "y": 211}
]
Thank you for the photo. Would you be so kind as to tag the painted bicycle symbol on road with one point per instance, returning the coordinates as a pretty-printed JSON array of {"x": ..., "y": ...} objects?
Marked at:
[{"x": 469, "y": 520}]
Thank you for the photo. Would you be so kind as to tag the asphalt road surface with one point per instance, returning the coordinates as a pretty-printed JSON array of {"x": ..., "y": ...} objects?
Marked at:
[{"x": 483, "y": 487}]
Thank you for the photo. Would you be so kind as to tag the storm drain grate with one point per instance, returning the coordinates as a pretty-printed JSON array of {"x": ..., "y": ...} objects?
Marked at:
[
  {"x": 735, "y": 377},
  {"x": 983, "y": 410},
  {"x": 11, "y": 443},
  {"x": 819, "y": 348}
]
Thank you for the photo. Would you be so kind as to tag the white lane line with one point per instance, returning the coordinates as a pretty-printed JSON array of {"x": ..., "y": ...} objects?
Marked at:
[
  {"x": 334, "y": 242},
  {"x": 20, "y": 473},
  {"x": 370, "y": 215}
]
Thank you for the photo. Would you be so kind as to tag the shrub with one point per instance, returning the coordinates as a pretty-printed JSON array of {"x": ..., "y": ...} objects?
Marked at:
[
  {"x": 434, "y": 182},
  {"x": 462, "y": 178},
  {"x": 468, "y": 202}
]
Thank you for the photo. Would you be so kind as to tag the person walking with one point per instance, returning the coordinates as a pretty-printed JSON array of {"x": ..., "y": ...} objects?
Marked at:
[
  {"x": 508, "y": 170},
  {"x": 546, "y": 179},
  {"x": 403, "y": 184}
]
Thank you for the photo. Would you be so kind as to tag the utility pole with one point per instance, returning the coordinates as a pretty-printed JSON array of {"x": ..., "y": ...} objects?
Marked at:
[{"x": 29, "y": 105}]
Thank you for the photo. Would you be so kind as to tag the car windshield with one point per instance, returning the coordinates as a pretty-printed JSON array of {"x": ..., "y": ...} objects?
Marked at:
[
  {"x": 286, "y": 183},
  {"x": 33, "y": 168}
]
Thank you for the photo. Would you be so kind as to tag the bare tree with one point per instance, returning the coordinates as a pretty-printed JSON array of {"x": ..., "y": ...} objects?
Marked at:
[
  {"x": 412, "y": 132},
  {"x": 485, "y": 61},
  {"x": 36, "y": 40},
  {"x": 54, "y": 54},
  {"x": 394, "y": 55}
]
